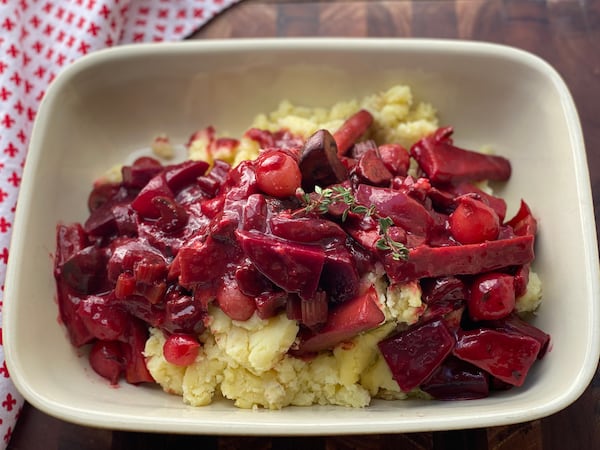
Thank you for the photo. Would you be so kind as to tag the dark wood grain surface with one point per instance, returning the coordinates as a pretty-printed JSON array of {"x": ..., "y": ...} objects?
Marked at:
[{"x": 564, "y": 32}]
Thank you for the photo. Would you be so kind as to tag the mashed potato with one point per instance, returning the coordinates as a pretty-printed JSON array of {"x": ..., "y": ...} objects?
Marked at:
[{"x": 248, "y": 362}]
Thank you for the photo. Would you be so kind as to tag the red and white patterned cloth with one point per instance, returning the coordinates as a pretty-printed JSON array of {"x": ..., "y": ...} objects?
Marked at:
[{"x": 38, "y": 38}]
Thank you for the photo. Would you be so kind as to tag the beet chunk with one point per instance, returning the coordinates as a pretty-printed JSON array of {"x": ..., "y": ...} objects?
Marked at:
[
  {"x": 70, "y": 239},
  {"x": 405, "y": 211},
  {"x": 445, "y": 163},
  {"x": 442, "y": 295},
  {"x": 103, "y": 318},
  {"x": 413, "y": 355},
  {"x": 156, "y": 187},
  {"x": 523, "y": 222},
  {"x": 205, "y": 262},
  {"x": 424, "y": 261},
  {"x": 345, "y": 321},
  {"x": 513, "y": 324},
  {"x": 372, "y": 169},
  {"x": 455, "y": 379},
  {"x": 107, "y": 360},
  {"x": 85, "y": 271},
  {"x": 306, "y": 229},
  {"x": 68, "y": 303},
  {"x": 140, "y": 172},
  {"x": 133, "y": 350},
  {"x": 339, "y": 278},
  {"x": 506, "y": 356},
  {"x": 294, "y": 267},
  {"x": 181, "y": 175}
]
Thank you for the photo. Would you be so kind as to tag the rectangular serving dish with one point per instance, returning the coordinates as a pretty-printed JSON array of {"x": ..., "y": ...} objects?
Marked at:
[{"x": 113, "y": 102}]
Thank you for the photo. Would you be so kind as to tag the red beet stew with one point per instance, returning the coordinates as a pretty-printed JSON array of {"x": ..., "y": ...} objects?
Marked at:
[{"x": 295, "y": 230}]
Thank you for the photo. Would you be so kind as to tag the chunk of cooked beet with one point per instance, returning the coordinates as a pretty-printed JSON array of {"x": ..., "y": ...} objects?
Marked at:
[
  {"x": 183, "y": 313},
  {"x": 101, "y": 193},
  {"x": 523, "y": 222},
  {"x": 445, "y": 163},
  {"x": 184, "y": 174},
  {"x": 455, "y": 379},
  {"x": 85, "y": 270},
  {"x": 425, "y": 261},
  {"x": 156, "y": 187},
  {"x": 345, "y": 321},
  {"x": 442, "y": 295},
  {"x": 107, "y": 360},
  {"x": 68, "y": 302},
  {"x": 372, "y": 170},
  {"x": 339, "y": 278},
  {"x": 70, "y": 239},
  {"x": 173, "y": 217},
  {"x": 205, "y": 262},
  {"x": 395, "y": 157},
  {"x": 414, "y": 354},
  {"x": 268, "y": 304},
  {"x": 146, "y": 263},
  {"x": 105, "y": 319},
  {"x": 293, "y": 266},
  {"x": 140, "y": 172},
  {"x": 306, "y": 229},
  {"x": 254, "y": 213},
  {"x": 507, "y": 356},
  {"x": 240, "y": 182},
  {"x": 405, "y": 211},
  {"x": 133, "y": 351},
  {"x": 514, "y": 324}
]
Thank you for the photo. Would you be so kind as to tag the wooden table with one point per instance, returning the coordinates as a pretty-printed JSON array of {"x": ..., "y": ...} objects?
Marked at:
[{"x": 564, "y": 32}]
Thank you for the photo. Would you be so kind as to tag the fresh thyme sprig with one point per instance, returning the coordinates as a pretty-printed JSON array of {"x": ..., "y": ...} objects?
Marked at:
[
  {"x": 329, "y": 196},
  {"x": 398, "y": 249},
  {"x": 339, "y": 194}
]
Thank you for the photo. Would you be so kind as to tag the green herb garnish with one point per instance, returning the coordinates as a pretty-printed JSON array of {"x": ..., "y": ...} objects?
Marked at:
[
  {"x": 398, "y": 249},
  {"x": 325, "y": 198}
]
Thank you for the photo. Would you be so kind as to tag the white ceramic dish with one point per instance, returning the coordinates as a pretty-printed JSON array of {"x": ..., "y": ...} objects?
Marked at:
[{"x": 112, "y": 102}]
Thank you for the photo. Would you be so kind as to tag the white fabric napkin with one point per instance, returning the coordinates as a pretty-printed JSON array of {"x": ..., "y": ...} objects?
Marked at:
[{"x": 38, "y": 38}]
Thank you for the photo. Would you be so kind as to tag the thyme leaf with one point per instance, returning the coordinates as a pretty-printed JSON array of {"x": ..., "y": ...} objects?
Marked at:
[{"x": 324, "y": 198}]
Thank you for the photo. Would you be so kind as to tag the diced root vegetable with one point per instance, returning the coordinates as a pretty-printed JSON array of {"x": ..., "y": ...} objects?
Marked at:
[
  {"x": 506, "y": 356},
  {"x": 294, "y": 267},
  {"x": 455, "y": 379},
  {"x": 469, "y": 259},
  {"x": 445, "y": 163},
  {"x": 398, "y": 206},
  {"x": 107, "y": 359},
  {"x": 413, "y": 355},
  {"x": 345, "y": 321}
]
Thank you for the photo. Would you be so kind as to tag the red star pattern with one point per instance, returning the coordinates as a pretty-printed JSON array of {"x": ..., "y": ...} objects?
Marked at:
[{"x": 38, "y": 39}]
